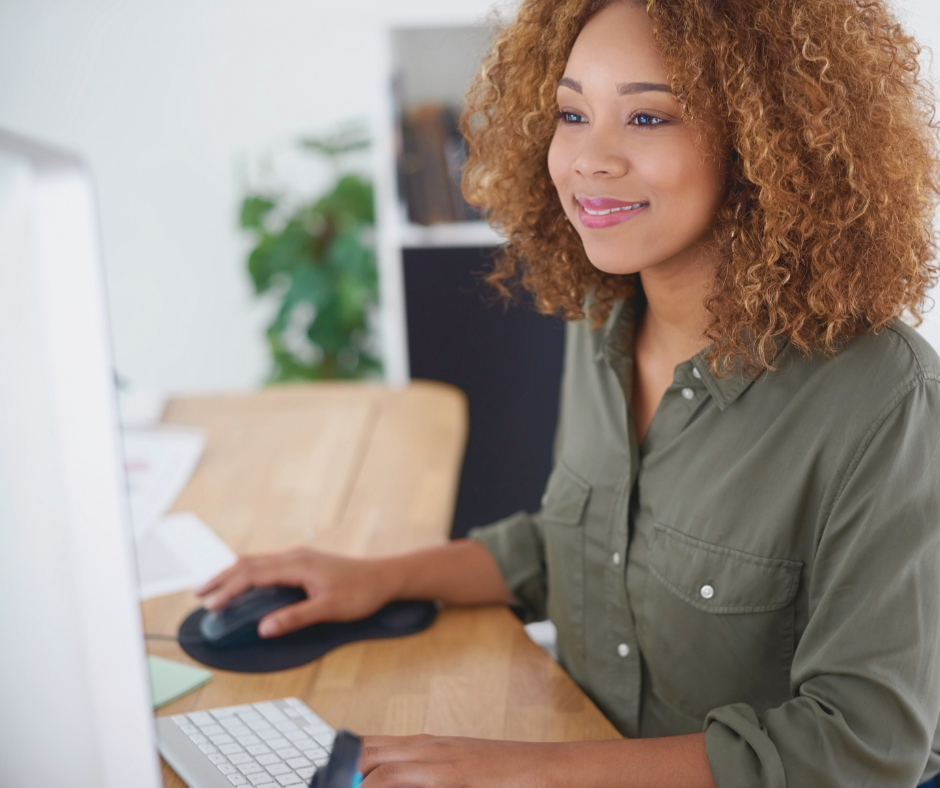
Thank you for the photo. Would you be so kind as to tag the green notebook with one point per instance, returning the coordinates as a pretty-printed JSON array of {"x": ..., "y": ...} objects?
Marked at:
[{"x": 170, "y": 680}]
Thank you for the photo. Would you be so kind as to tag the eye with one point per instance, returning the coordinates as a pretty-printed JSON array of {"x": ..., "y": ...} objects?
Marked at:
[
  {"x": 570, "y": 118},
  {"x": 645, "y": 119}
]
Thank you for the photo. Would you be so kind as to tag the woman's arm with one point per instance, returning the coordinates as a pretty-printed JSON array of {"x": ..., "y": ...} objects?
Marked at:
[
  {"x": 461, "y": 572},
  {"x": 448, "y": 762}
]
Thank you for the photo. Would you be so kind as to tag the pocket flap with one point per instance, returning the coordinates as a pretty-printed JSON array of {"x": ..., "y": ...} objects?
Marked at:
[
  {"x": 720, "y": 579},
  {"x": 566, "y": 496}
]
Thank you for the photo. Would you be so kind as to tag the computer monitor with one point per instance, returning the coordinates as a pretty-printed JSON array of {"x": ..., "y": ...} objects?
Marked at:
[{"x": 74, "y": 704}]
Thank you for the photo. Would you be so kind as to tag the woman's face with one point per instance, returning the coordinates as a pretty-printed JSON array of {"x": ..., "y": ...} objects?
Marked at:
[{"x": 630, "y": 174}]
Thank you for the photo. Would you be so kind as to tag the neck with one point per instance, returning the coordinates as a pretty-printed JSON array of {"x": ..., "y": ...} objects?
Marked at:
[{"x": 675, "y": 319}]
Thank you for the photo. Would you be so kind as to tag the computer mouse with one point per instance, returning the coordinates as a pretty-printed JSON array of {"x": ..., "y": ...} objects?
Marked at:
[{"x": 236, "y": 624}]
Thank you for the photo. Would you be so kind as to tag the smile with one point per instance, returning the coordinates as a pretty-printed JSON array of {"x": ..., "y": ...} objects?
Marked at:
[
  {"x": 598, "y": 213},
  {"x": 607, "y": 211}
]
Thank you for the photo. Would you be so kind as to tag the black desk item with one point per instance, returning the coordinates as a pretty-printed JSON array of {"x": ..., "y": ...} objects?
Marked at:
[
  {"x": 342, "y": 770},
  {"x": 298, "y": 648},
  {"x": 237, "y": 623}
]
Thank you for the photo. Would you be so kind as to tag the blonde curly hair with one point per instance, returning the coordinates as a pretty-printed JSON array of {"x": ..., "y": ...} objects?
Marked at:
[{"x": 826, "y": 227}]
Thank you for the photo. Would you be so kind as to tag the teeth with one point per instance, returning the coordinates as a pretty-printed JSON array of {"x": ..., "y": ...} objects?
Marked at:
[{"x": 633, "y": 207}]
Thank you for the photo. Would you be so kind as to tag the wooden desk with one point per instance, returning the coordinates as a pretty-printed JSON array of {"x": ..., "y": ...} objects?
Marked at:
[{"x": 365, "y": 470}]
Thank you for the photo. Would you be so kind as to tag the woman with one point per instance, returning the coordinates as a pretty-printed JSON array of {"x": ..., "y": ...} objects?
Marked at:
[{"x": 740, "y": 540}]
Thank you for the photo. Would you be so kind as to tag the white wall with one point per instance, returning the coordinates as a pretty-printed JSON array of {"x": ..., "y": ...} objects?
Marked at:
[{"x": 165, "y": 99}]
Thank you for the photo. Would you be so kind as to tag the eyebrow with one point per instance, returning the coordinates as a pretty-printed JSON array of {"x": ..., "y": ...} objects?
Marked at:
[{"x": 624, "y": 88}]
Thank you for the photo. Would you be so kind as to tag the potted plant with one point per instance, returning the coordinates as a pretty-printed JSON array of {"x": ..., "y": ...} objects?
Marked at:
[{"x": 317, "y": 257}]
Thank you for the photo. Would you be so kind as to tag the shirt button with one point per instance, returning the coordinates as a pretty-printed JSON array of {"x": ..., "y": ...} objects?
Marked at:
[
  {"x": 616, "y": 559},
  {"x": 707, "y": 591},
  {"x": 688, "y": 393},
  {"x": 623, "y": 650},
  {"x": 696, "y": 374}
]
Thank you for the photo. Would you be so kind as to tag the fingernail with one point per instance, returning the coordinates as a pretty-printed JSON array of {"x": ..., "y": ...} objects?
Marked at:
[
  {"x": 267, "y": 629},
  {"x": 210, "y": 601}
]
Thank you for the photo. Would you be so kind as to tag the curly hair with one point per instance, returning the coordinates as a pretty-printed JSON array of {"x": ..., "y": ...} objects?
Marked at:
[{"x": 826, "y": 227}]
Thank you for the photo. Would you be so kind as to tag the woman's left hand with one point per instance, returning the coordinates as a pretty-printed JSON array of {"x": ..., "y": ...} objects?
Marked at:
[{"x": 456, "y": 762}]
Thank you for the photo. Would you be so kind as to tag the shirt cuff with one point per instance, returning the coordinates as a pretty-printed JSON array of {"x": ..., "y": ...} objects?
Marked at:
[
  {"x": 740, "y": 752},
  {"x": 516, "y": 545}
]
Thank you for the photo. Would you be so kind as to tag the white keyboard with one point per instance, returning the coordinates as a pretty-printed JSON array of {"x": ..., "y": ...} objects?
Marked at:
[{"x": 264, "y": 745}]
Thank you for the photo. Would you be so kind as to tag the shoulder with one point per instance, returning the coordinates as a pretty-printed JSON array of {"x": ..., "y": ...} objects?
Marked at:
[{"x": 886, "y": 365}]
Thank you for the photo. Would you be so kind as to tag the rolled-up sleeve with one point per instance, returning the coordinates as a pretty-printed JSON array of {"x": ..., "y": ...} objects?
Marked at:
[
  {"x": 517, "y": 547},
  {"x": 866, "y": 672}
]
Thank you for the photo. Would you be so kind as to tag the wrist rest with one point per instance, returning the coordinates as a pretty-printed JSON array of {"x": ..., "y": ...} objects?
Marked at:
[{"x": 298, "y": 648}]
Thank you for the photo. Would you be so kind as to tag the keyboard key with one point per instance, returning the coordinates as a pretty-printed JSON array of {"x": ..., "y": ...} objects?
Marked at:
[
  {"x": 237, "y": 779},
  {"x": 227, "y": 749},
  {"x": 303, "y": 741},
  {"x": 217, "y": 757},
  {"x": 325, "y": 739},
  {"x": 314, "y": 752},
  {"x": 239, "y": 730},
  {"x": 257, "y": 749},
  {"x": 269, "y": 734},
  {"x": 306, "y": 772},
  {"x": 268, "y": 759},
  {"x": 227, "y": 768},
  {"x": 270, "y": 712},
  {"x": 290, "y": 711},
  {"x": 267, "y": 785},
  {"x": 294, "y": 735},
  {"x": 277, "y": 744},
  {"x": 277, "y": 768},
  {"x": 287, "y": 725},
  {"x": 180, "y": 719},
  {"x": 244, "y": 741},
  {"x": 201, "y": 718},
  {"x": 259, "y": 725},
  {"x": 289, "y": 752},
  {"x": 241, "y": 757},
  {"x": 212, "y": 730},
  {"x": 207, "y": 748},
  {"x": 234, "y": 724},
  {"x": 221, "y": 714},
  {"x": 290, "y": 779},
  {"x": 249, "y": 716},
  {"x": 221, "y": 739},
  {"x": 261, "y": 778},
  {"x": 250, "y": 768},
  {"x": 298, "y": 763},
  {"x": 188, "y": 729},
  {"x": 197, "y": 738},
  {"x": 321, "y": 761}
]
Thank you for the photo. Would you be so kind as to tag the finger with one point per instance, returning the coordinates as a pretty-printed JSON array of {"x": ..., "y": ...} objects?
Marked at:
[
  {"x": 401, "y": 775},
  {"x": 251, "y": 572},
  {"x": 290, "y": 618},
  {"x": 218, "y": 580},
  {"x": 378, "y": 750}
]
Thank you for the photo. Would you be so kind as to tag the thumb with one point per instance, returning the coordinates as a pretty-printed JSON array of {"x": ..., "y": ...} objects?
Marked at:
[{"x": 293, "y": 617}]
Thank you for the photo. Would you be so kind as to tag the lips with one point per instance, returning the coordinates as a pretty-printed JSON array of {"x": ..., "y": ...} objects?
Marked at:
[{"x": 599, "y": 212}]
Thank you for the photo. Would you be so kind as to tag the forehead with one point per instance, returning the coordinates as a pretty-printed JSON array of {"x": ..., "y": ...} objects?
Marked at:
[{"x": 618, "y": 42}]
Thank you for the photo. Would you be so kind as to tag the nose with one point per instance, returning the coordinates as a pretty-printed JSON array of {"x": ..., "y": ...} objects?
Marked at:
[{"x": 602, "y": 153}]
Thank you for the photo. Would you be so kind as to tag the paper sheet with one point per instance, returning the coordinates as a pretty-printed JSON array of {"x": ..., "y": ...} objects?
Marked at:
[
  {"x": 170, "y": 680},
  {"x": 179, "y": 553},
  {"x": 544, "y": 634},
  {"x": 158, "y": 463}
]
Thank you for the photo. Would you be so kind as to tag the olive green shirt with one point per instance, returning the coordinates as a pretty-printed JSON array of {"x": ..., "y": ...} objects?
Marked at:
[{"x": 765, "y": 566}]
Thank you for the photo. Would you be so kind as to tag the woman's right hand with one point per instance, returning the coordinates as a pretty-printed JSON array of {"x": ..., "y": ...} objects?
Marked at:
[{"x": 338, "y": 588}]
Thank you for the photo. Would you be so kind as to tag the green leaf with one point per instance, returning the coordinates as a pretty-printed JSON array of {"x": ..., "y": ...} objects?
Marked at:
[
  {"x": 351, "y": 201},
  {"x": 354, "y": 138},
  {"x": 254, "y": 210}
]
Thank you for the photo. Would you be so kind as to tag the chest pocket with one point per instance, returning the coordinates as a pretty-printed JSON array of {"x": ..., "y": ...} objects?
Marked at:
[
  {"x": 718, "y": 624},
  {"x": 562, "y": 520}
]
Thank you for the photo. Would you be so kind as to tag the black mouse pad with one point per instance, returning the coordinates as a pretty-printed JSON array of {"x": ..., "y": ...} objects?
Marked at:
[{"x": 304, "y": 645}]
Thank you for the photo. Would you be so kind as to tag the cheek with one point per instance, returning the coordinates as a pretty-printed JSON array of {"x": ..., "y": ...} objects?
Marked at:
[{"x": 558, "y": 166}]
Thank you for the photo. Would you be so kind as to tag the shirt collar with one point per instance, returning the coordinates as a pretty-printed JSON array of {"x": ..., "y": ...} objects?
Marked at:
[{"x": 616, "y": 347}]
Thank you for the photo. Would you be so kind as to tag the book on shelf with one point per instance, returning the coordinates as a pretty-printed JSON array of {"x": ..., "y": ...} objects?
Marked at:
[{"x": 430, "y": 167}]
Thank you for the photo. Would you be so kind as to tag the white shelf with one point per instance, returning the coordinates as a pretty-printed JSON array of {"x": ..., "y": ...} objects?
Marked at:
[{"x": 449, "y": 235}]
